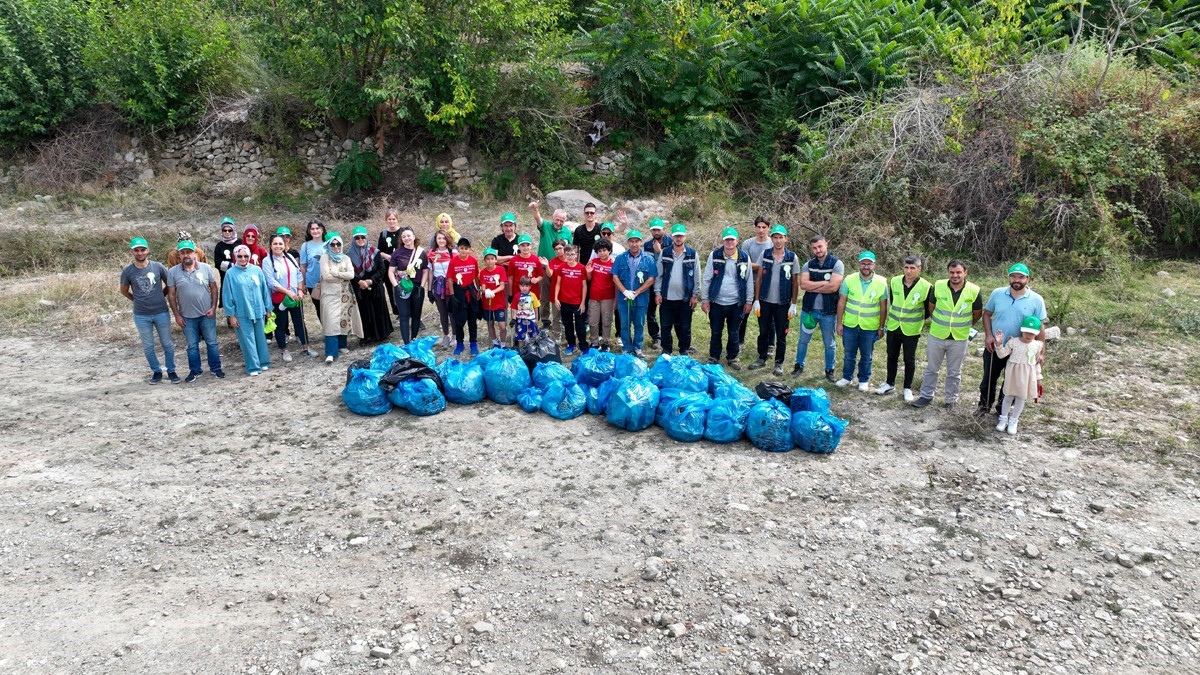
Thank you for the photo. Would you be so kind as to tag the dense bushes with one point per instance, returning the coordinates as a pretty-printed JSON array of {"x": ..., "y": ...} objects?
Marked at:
[{"x": 42, "y": 77}]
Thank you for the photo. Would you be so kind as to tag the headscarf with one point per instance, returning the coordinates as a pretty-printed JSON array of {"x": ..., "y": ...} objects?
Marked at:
[
  {"x": 183, "y": 236},
  {"x": 450, "y": 231},
  {"x": 362, "y": 257},
  {"x": 241, "y": 248},
  {"x": 335, "y": 256},
  {"x": 231, "y": 239}
]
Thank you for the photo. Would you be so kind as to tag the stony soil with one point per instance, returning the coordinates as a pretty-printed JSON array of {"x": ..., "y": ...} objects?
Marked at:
[{"x": 255, "y": 526}]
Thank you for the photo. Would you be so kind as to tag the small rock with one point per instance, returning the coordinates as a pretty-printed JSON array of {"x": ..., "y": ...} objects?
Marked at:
[
  {"x": 47, "y": 303},
  {"x": 1168, "y": 293},
  {"x": 900, "y": 657},
  {"x": 1032, "y": 551},
  {"x": 967, "y": 555},
  {"x": 460, "y": 163},
  {"x": 1125, "y": 560},
  {"x": 677, "y": 630},
  {"x": 1010, "y": 593},
  {"x": 1098, "y": 507},
  {"x": 1163, "y": 273},
  {"x": 645, "y": 653},
  {"x": 483, "y": 627},
  {"x": 462, "y": 206},
  {"x": 740, "y": 620},
  {"x": 1007, "y": 622},
  {"x": 1117, "y": 339},
  {"x": 381, "y": 653},
  {"x": 316, "y": 660},
  {"x": 463, "y": 591}
]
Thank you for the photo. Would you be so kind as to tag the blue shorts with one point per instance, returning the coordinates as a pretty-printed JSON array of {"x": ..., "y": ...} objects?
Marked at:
[{"x": 497, "y": 315}]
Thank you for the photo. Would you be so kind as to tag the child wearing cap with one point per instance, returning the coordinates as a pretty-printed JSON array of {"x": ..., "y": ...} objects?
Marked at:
[
  {"x": 494, "y": 282},
  {"x": 526, "y": 264},
  {"x": 525, "y": 311},
  {"x": 1021, "y": 373}
]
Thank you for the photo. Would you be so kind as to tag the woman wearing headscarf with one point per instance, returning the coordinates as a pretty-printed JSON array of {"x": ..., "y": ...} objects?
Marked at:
[
  {"x": 284, "y": 280},
  {"x": 250, "y": 239},
  {"x": 310, "y": 261},
  {"x": 223, "y": 252},
  {"x": 173, "y": 258},
  {"x": 247, "y": 304},
  {"x": 369, "y": 279},
  {"x": 407, "y": 274},
  {"x": 445, "y": 223},
  {"x": 339, "y": 317}
]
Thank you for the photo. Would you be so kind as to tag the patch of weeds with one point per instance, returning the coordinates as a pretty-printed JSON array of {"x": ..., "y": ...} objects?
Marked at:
[
  {"x": 1085, "y": 544},
  {"x": 769, "y": 494},
  {"x": 167, "y": 521},
  {"x": 1063, "y": 438},
  {"x": 565, "y": 487},
  {"x": 635, "y": 483},
  {"x": 467, "y": 473},
  {"x": 430, "y": 528},
  {"x": 464, "y": 558},
  {"x": 967, "y": 427},
  {"x": 266, "y": 515},
  {"x": 943, "y": 528}
]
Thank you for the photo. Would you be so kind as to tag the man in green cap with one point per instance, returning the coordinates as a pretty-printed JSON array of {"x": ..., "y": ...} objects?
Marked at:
[
  {"x": 654, "y": 248},
  {"x": 144, "y": 282},
  {"x": 677, "y": 289},
  {"x": 633, "y": 276},
  {"x": 549, "y": 231},
  {"x": 505, "y": 243},
  {"x": 192, "y": 292},
  {"x": 862, "y": 304},
  {"x": 1004, "y": 311},
  {"x": 778, "y": 284},
  {"x": 725, "y": 295}
]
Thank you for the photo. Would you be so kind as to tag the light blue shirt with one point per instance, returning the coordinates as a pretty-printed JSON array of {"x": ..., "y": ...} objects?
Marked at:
[
  {"x": 282, "y": 272},
  {"x": 245, "y": 292},
  {"x": 310, "y": 257},
  {"x": 1008, "y": 312}
]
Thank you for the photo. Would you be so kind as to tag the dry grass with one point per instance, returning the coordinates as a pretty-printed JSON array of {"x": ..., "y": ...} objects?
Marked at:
[{"x": 67, "y": 304}]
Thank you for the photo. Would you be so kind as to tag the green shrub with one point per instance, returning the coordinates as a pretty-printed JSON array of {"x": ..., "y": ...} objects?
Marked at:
[
  {"x": 158, "y": 60},
  {"x": 357, "y": 171},
  {"x": 42, "y": 75},
  {"x": 431, "y": 181}
]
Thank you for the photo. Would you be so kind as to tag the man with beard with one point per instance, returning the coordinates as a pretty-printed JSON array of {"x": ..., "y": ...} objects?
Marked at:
[
  {"x": 587, "y": 234},
  {"x": 1006, "y": 308},
  {"x": 954, "y": 307},
  {"x": 144, "y": 282},
  {"x": 192, "y": 294}
]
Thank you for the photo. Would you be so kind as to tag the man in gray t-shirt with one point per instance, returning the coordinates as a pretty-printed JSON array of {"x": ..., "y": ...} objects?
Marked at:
[
  {"x": 754, "y": 248},
  {"x": 143, "y": 283},
  {"x": 192, "y": 291}
]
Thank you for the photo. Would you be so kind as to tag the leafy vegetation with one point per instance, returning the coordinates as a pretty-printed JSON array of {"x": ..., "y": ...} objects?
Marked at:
[
  {"x": 357, "y": 171},
  {"x": 42, "y": 76}
]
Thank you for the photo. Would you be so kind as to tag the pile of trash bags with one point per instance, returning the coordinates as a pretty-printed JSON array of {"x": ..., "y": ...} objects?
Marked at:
[{"x": 688, "y": 400}]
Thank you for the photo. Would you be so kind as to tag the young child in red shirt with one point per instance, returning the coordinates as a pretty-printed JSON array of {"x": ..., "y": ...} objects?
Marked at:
[
  {"x": 494, "y": 282},
  {"x": 602, "y": 295},
  {"x": 461, "y": 275},
  {"x": 525, "y": 264},
  {"x": 525, "y": 312},
  {"x": 570, "y": 289}
]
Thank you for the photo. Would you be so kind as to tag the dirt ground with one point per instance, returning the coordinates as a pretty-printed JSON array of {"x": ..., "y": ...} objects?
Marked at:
[{"x": 256, "y": 526}]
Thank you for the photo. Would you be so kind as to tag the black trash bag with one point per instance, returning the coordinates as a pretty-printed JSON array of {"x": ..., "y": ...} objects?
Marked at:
[
  {"x": 774, "y": 390},
  {"x": 542, "y": 349},
  {"x": 407, "y": 370},
  {"x": 360, "y": 364}
]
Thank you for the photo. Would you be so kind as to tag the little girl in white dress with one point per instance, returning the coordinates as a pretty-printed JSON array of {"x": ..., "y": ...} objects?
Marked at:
[{"x": 1021, "y": 374}]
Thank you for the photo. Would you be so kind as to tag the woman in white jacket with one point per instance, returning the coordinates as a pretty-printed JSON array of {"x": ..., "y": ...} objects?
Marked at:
[{"x": 339, "y": 316}]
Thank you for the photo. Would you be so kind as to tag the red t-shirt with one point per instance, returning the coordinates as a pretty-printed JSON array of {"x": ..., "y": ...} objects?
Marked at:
[
  {"x": 467, "y": 268},
  {"x": 570, "y": 283},
  {"x": 529, "y": 266},
  {"x": 602, "y": 287},
  {"x": 493, "y": 279}
]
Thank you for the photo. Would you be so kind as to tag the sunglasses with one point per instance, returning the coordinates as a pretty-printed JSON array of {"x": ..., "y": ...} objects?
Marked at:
[
  {"x": 241, "y": 255},
  {"x": 335, "y": 244},
  {"x": 589, "y": 213},
  {"x": 227, "y": 229},
  {"x": 606, "y": 233}
]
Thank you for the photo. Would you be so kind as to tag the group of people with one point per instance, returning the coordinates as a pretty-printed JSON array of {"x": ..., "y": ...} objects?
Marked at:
[{"x": 598, "y": 291}]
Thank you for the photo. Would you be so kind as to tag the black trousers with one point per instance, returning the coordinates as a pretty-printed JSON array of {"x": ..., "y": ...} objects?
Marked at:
[
  {"x": 772, "y": 326},
  {"x": 652, "y": 326},
  {"x": 742, "y": 330},
  {"x": 574, "y": 321},
  {"x": 408, "y": 313},
  {"x": 677, "y": 316},
  {"x": 722, "y": 318},
  {"x": 897, "y": 341},
  {"x": 993, "y": 368},
  {"x": 466, "y": 313}
]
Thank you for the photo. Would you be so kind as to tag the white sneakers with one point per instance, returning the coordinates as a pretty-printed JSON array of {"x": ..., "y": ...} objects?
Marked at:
[
  {"x": 864, "y": 386},
  {"x": 328, "y": 359},
  {"x": 841, "y": 383},
  {"x": 1007, "y": 425},
  {"x": 287, "y": 356},
  {"x": 1012, "y": 427},
  {"x": 1002, "y": 423},
  {"x": 885, "y": 388},
  {"x": 908, "y": 396}
]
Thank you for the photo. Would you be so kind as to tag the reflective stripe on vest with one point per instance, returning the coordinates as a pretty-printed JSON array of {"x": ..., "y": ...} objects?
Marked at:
[
  {"x": 952, "y": 320},
  {"x": 862, "y": 307},
  {"x": 908, "y": 313}
]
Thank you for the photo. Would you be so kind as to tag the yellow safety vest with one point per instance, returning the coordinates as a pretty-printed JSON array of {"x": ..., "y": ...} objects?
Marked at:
[
  {"x": 952, "y": 320},
  {"x": 908, "y": 314},
  {"x": 862, "y": 307}
]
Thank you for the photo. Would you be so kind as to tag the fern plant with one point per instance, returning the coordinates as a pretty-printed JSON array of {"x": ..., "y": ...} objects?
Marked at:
[{"x": 358, "y": 171}]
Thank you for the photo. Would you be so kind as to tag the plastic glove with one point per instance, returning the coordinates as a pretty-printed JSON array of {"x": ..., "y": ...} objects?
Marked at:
[
  {"x": 791, "y": 312},
  {"x": 757, "y": 309},
  {"x": 630, "y": 295},
  {"x": 489, "y": 293},
  {"x": 224, "y": 265}
]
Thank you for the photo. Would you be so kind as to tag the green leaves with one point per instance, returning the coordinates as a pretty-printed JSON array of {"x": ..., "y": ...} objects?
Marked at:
[{"x": 42, "y": 76}]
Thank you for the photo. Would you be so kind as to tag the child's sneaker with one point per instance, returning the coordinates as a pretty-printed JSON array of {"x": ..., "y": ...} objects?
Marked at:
[
  {"x": 496, "y": 344},
  {"x": 1002, "y": 423},
  {"x": 458, "y": 349},
  {"x": 474, "y": 349},
  {"x": 1012, "y": 427},
  {"x": 569, "y": 350}
]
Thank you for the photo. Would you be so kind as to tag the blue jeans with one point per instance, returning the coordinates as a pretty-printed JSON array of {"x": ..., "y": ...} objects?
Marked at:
[
  {"x": 253, "y": 342},
  {"x": 859, "y": 346},
  {"x": 827, "y": 323},
  {"x": 146, "y": 325},
  {"x": 333, "y": 343},
  {"x": 638, "y": 318},
  {"x": 193, "y": 329}
]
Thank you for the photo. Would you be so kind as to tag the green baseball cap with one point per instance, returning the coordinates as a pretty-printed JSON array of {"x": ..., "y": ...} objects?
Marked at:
[
  {"x": 779, "y": 229},
  {"x": 359, "y": 231},
  {"x": 866, "y": 255},
  {"x": 524, "y": 239},
  {"x": 138, "y": 242},
  {"x": 1019, "y": 268},
  {"x": 1031, "y": 324},
  {"x": 227, "y": 221},
  {"x": 729, "y": 233},
  {"x": 608, "y": 226},
  {"x": 678, "y": 228},
  {"x": 633, "y": 234},
  {"x": 185, "y": 245},
  {"x": 508, "y": 218},
  {"x": 332, "y": 235},
  {"x": 490, "y": 251},
  {"x": 656, "y": 223},
  {"x": 283, "y": 231}
]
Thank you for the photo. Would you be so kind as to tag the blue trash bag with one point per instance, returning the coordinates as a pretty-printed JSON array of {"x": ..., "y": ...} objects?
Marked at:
[
  {"x": 593, "y": 367},
  {"x": 385, "y": 355},
  {"x": 362, "y": 394},
  {"x": 717, "y": 378},
  {"x": 632, "y": 404},
  {"x": 815, "y": 400},
  {"x": 463, "y": 381},
  {"x": 817, "y": 432},
  {"x": 628, "y": 365},
  {"x": 597, "y": 397},
  {"x": 505, "y": 377},
  {"x": 685, "y": 418},
  {"x": 550, "y": 371},
  {"x": 419, "y": 397},
  {"x": 485, "y": 358},
  {"x": 678, "y": 372},
  {"x": 665, "y": 398},
  {"x": 564, "y": 400},
  {"x": 530, "y": 399},
  {"x": 422, "y": 350},
  {"x": 769, "y": 426},
  {"x": 727, "y": 417}
]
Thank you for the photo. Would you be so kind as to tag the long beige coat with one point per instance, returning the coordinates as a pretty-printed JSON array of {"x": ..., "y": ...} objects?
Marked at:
[{"x": 339, "y": 315}]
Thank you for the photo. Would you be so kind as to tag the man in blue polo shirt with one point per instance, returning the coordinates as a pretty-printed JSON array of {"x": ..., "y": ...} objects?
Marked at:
[{"x": 1006, "y": 307}]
